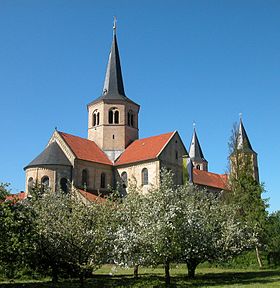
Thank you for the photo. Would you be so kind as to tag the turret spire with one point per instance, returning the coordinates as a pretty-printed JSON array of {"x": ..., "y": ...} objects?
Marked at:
[
  {"x": 196, "y": 153},
  {"x": 243, "y": 142}
]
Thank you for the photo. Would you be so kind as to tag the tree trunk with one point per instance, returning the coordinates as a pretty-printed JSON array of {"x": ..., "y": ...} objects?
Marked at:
[
  {"x": 258, "y": 257},
  {"x": 54, "y": 274},
  {"x": 191, "y": 264},
  {"x": 135, "y": 271},
  {"x": 82, "y": 278},
  {"x": 167, "y": 273}
]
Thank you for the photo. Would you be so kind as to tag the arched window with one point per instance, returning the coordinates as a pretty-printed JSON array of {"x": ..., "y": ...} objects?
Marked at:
[
  {"x": 176, "y": 155},
  {"x": 45, "y": 183},
  {"x": 85, "y": 178},
  {"x": 124, "y": 179},
  {"x": 145, "y": 176},
  {"x": 198, "y": 167},
  {"x": 111, "y": 117},
  {"x": 132, "y": 120},
  {"x": 30, "y": 184},
  {"x": 114, "y": 116},
  {"x": 63, "y": 185},
  {"x": 94, "y": 119},
  {"x": 103, "y": 180},
  {"x": 128, "y": 118},
  {"x": 116, "y": 120}
]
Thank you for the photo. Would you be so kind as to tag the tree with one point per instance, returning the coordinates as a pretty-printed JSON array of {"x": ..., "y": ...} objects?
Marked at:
[
  {"x": 273, "y": 238},
  {"x": 130, "y": 245},
  {"x": 162, "y": 218},
  {"x": 16, "y": 228},
  {"x": 4, "y": 191},
  {"x": 208, "y": 228},
  {"x": 245, "y": 190},
  {"x": 70, "y": 234}
]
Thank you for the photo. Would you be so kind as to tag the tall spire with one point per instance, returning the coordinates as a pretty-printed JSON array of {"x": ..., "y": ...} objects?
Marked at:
[
  {"x": 113, "y": 84},
  {"x": 243, "y": 142},
  {"x": 195, "y": 151}
]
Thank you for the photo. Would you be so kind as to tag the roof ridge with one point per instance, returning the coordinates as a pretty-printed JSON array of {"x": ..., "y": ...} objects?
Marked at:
[{"x": 213, "y": 173}]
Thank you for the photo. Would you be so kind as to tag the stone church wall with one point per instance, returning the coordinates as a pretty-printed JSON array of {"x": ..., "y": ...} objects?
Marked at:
[
  {"x": 171, "y": 158},
  {"x": 53, "y": 172},
  {"x": 94, "y": 171},
  {"x": 134, "y": 173}
]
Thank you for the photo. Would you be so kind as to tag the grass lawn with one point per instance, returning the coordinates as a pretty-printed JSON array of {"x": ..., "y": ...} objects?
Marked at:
[{"x": 109, "y": 276}]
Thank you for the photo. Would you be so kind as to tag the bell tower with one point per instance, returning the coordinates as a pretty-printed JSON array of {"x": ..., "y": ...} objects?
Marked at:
[
  {"x": 113, "y": 117},
  {"x": 244, "y": 154}
]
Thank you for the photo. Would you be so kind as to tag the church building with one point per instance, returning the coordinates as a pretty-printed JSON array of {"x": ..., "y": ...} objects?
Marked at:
[{"x": 113, "y": 152}]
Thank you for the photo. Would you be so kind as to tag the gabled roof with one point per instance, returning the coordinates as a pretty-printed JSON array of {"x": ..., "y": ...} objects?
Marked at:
[
  {"x": 16, "y": 197},
  {"x": 85, "y": 149},
  {"x": 243, "y": 142},
  {"x": 209, "y": 179},
  {"x": 52, "y": 155},
  {"x": 91, "y": 197},
  {"x": 195, "y": 151},
  {"x": 144, "y": 149}
]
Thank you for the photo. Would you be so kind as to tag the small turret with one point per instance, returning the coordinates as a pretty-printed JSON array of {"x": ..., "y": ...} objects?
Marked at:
[
  {"x": 244, "y": 148},
  {"x": 196, "y": 154}
]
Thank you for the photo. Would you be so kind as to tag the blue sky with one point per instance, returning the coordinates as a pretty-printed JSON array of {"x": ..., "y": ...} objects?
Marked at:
[{"x": 182, "y": 61}]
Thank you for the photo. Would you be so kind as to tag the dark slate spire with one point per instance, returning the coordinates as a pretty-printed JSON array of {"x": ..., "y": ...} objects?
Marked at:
[
  {"x": 243, "y": 142},
  {"x": 113, "y": 84},
  {"x": 113, "y": 88},
  {"x": 52, "y": 155},
  {"x": 195, "y": 151}
]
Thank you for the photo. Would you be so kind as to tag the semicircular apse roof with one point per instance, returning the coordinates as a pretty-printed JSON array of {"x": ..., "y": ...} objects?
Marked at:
[{"x": 52, "y": 155}]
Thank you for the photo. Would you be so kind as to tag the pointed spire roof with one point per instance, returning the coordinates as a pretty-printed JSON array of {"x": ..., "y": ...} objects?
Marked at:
[
  {"x": 195, "y": 150},
  {"x": 113, "y": 88},
  {"x": 243, "y": 142}
]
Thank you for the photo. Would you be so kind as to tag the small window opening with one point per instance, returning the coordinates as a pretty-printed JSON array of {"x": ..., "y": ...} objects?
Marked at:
[
  {"x": 116, "y": 117},
  {"x": 45, "y": 182},
  {"x": 63, "y": 185},
  {"x": 103, "y": 180},
  {"x": 124, "y": 179},
  {"x": 30, "y": 184},
  {"x": 132, "y": 120},
  {"x": 128, "y": 118},
  {"x": 110, "y": 117},
  {"x": 85, "y": 178},
  {"x": 145, "y": 176}
]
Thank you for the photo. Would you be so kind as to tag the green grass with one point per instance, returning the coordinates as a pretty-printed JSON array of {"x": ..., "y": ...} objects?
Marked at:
[{"x": 109, "y": 276}]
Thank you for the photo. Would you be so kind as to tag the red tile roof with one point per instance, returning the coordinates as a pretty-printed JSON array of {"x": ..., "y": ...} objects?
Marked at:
[
  {"x": 210, "y": 179},
  {"x": 144, "y": 149},
  {"x": 16, "y": 197},
  {"x": 85, "y": 149},
  {"x": 91, "y": 197}
]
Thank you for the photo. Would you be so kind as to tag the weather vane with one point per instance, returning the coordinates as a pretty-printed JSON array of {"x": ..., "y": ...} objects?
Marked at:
[
  {"x": 193, "y": 123},
  {"x": 115, "y": 24}
]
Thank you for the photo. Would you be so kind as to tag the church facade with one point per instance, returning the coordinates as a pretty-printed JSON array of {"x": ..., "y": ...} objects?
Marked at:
[{"x": 113, "y": 152}]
